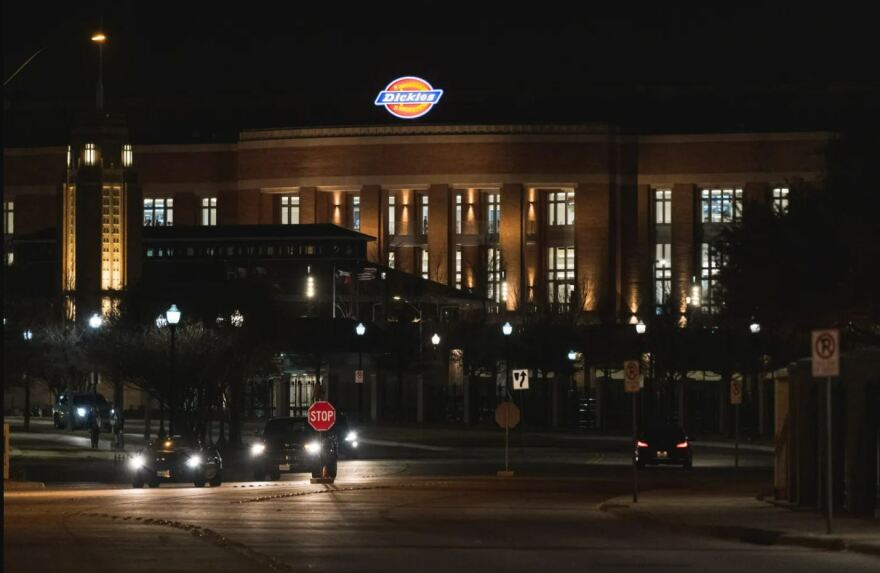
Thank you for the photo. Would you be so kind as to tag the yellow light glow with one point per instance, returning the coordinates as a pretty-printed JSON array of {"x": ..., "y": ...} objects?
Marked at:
[{"x": 99, "y": 37}]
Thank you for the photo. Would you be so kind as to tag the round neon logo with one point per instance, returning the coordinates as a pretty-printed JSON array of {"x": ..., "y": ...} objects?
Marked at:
[{"x": 408, "y": 97}]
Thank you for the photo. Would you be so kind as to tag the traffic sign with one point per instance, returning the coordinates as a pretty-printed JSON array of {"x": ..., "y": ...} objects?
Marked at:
[
  {"x": 358, "y": 376},
  {"x": 736, "y": 390},
  {"x": 826, "y": 353},
  {"x": 322, "y": 416},
  {"x": 507, "y": 415},
  {"x": 631, "y": 376},
  {"x": 520, "y": 379}
]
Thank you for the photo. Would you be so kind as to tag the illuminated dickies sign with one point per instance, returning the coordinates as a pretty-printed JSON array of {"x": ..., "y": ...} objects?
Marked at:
[{"x": 408, "y": 97}]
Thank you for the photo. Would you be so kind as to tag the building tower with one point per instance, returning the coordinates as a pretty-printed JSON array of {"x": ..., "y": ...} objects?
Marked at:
[{"x": 100, "y": 217}]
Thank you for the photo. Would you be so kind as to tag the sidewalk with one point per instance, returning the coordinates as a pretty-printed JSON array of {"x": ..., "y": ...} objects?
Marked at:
[{"x": 746, "y": 519}]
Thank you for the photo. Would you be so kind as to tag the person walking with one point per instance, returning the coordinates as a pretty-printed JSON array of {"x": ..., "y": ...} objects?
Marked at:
[{"x": 94, "y": 428}]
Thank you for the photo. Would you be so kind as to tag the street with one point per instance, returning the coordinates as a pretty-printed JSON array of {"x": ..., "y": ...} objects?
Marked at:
[{"x": 399, "y": 507}]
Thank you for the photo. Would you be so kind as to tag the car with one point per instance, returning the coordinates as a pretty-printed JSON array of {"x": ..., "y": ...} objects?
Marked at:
[
  {"x": 289, "y": 444},
  {"x": 176, "y": 459},
  {"x": 664, "y": 443},
  {"x": 83, "y": 402}
]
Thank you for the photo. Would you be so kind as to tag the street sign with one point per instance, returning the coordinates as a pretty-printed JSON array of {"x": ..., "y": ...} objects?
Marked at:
[
  {"x": 631, "y": 376},
  {"x": 520, "y": 379},
  {"x": 826, "y": 353},
  {"x": 322, "y": 416},
  {"x": 736, "y": 390},
  {"x": 507, "y": 415},
  {"x": 358, "y": 376}
]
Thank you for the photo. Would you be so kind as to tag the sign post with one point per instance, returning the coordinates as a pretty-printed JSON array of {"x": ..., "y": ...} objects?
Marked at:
[
  {"x": 506, "y": 416},
  {"x": 736, "y": 398},
  {"x": 826, "y": 364},
  {"x": 521, "y": 382},
  {"x": 631, "y": 383}
]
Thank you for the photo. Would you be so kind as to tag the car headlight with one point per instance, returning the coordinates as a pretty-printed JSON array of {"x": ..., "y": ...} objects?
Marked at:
[
  {"x": 313, "y": 448},
  {"x": 136, "y": 462},
  {"x": 81, "y": 412},
  {"x": 351, "y": 437},
  {"x": 258, "y": 449},
  {"x": 194, "y": 461}
]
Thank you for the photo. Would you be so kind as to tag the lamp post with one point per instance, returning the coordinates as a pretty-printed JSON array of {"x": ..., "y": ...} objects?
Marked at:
[
  {"x": 360, "y": 330},
  {"x": 507, "y": 330},
  {"x": 641, "y": 329},
  {"x": 95, "y": 323},
  {"x": 27, "y": 336},
  {"x": 172, "y": 315}
]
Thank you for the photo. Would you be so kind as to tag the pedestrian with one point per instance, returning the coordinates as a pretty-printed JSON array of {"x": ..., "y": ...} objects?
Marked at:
[
  {"x": 118, "y": 430},
  {"x": 94, "y": 427}
]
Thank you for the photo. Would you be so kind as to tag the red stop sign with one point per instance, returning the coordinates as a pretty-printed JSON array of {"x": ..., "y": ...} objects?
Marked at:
[{"x": 322, "y": 416}]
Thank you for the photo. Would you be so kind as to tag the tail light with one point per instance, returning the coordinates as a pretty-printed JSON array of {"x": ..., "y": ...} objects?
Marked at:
[
  {"x": 642, "y": 444},
  {"x": 683, "y": 444}
]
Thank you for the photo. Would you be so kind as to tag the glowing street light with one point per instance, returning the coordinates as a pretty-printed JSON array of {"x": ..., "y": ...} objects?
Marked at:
[
  {"x": 172, "y": 315},
  {"x": 237, "y": 319},
  {"x": 435, "y": 340},
  {"x": 360, "y": 329},
  {"x": 572, "y": 355},
  {"x": 507, "y": 329},
  {"x": 754, "y": 327},
  {"x": 95, "y": 321},
  {"x": 641, "y": 327}
]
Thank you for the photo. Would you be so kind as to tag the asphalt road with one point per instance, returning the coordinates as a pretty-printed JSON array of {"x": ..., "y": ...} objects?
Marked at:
[{"x": 376, "y": 518}]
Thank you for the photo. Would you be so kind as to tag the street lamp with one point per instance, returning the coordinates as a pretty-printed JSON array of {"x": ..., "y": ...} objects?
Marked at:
[
  {"x": 95, "y": 321},
  {"x": 572, "y": 355},
  {"x": 27, "y": 335},
  {"x": 754, "y": 327},
  {"x": 435, "y": 340},
  {"x": 641, "y": 327},
  {"x": 507, "y": 330},
  {"x": 172, "y": 315},
  {"x": 360, "y": 330},
  {"x": 236, "y": 319}
]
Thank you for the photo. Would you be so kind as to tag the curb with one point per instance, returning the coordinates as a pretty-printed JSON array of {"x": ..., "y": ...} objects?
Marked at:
[
  {"x": 12, "y": 485},
  {"x": 752, "y": 535}
]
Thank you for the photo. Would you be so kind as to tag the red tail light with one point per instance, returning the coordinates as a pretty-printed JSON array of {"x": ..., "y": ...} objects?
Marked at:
[
  {"x": 642, "y": 444},
  {"x": 683, "y": 444}
]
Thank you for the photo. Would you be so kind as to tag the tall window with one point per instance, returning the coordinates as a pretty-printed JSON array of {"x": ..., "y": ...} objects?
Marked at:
[
  {"x": 560, "y": 208},
  {"x": 391, "y": 260},
  {"x": 662, "y": 275},
  {"x": 493, "y": 213},
  {"x": 426, "y": 272},
  {"x": 780, "y": 200},
  {"x": 209, "y": 211},
  {"x": 560, "y": 274},
  {"x": 392, "y": 215},
  {"x": 356, "y": 212},
  {"x": 722, "y": 205},
  {"x": 458, "y": 213},
  {"x": 158, "y": 212},
  {"x": 290, "y": 209},
  {"x": 127, "y": 155},
  {"x": 424, "y": 214},
  {"x": 496, "y": 285},
  {"x": 710, "y": 267},
  {"x": 458, "y": 259},
  {"x": 90, "y": 154},
  {"x": 663, "y": 206},
  {"x": 8, "y": 217}
]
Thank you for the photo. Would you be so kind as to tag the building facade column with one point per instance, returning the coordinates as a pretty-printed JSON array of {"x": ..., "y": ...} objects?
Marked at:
[
  {"x": 441, "y": 229},
  {"x": 592, "y": 216},
  {"x": 683, "y": 250},
  {"x": 373, "y": 221},
  {"x": 512, "y": 243}
]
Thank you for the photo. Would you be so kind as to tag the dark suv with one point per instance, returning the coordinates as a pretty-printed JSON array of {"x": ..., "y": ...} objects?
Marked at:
[
  {"x": 664, "y": 443},
  {"x": 83, "y": 402},
  {"x": 289, "y": 445}
]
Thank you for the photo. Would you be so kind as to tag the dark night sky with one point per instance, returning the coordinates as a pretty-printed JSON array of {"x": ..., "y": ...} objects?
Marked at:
[{"x": 202, "y": 72}]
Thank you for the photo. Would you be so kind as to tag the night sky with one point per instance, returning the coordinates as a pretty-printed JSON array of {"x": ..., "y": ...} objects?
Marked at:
[{"x": 202, "y": 73}]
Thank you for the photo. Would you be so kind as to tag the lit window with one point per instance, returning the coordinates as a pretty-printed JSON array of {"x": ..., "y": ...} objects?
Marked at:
[
  {"x": 425, "y": 268},
  {"x": 662, "y": 275},
  {"x": 560, "y": 274},
  {"x": 662, "y": 206},
  {"x": 10, "y": 258},
  {"x": 158, "y": 212},
  {"x": 458, "y": 260},
  {"x": 392, "y": 216},
  {"x": 560, "y": 208},
  {"x": 722, "y": 205},
  {"x": 68, "y": 157},
  {"x": 8, "y": 217},
  {"x": 780, "y": 200},
  {"x": 356, "y": 213},
  {"x": 458, "y": 213},
  {"x": 424, "y": 214},
  {"x": 290, "y": 209},
  {"x": 90, "y": 154},
  {"x": 711, "y": 263},
  {"x": 209, "y": 211},
  {"x": 127, "y": 155},
  {"x": 493, "y": 213},
  {"x": 391, "y": 261},
  {"x": 496, "y": 285}
]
